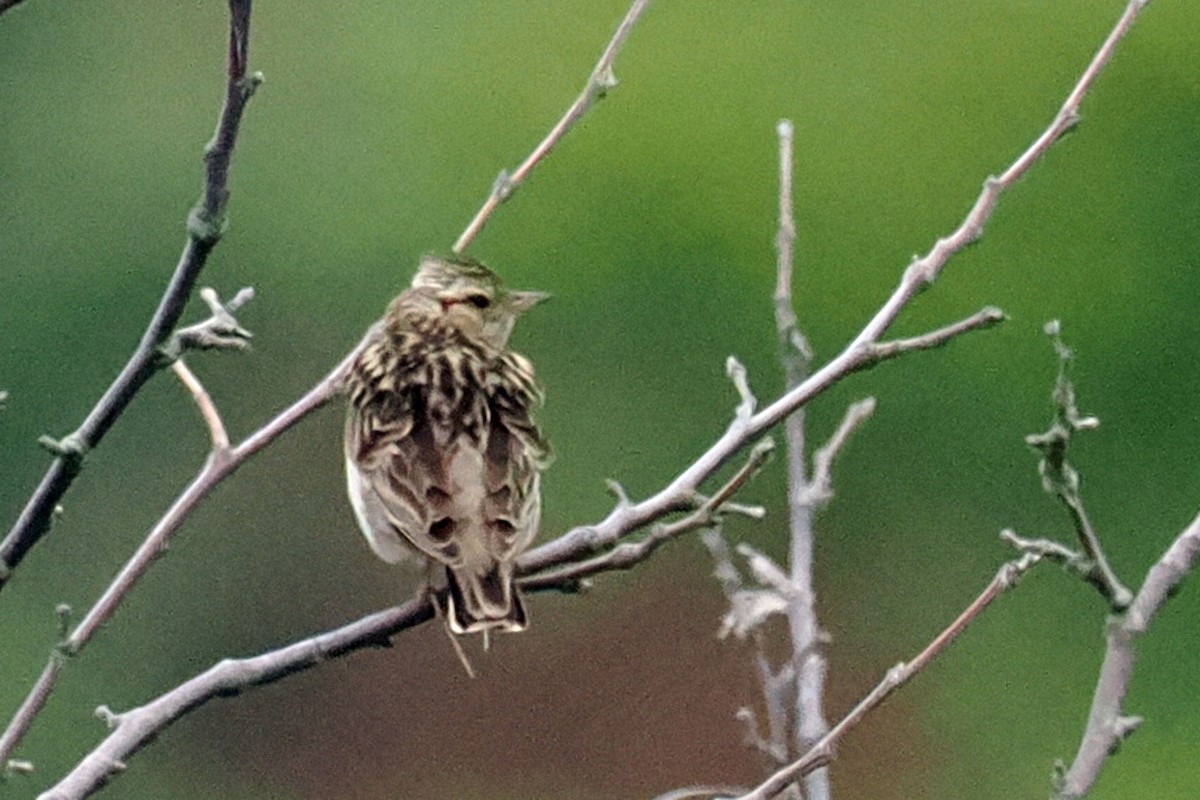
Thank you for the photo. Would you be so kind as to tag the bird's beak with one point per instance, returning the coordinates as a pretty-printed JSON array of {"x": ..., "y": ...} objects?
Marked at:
[{"x": 523, "y": 301}]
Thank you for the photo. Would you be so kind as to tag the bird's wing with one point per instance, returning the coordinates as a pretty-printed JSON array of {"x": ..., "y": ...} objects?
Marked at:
[
  {"x": 384, "y": 515},
  {"x": 516, "y": 454}
]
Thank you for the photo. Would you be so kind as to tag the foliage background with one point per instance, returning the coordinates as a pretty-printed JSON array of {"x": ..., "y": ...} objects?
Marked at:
[{"x": 374, "y": 139}]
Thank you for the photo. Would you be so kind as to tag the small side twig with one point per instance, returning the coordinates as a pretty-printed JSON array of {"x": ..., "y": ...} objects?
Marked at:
[
  {"x": 1071, "y": 560},
  {"x": 819, "y": 490},
  {"x": 598, "y": 84},
  {"x": 208, "y": 409},
  {"x": 221, "y": 331},
  {"x": 984, "y": 318}
]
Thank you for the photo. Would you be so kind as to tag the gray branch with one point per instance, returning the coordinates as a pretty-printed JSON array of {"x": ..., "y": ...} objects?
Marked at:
[
  {"x": 217, "y": 467},
  {"x": 1107, "y": 725},
  {"x": 1060, "y": 479},
  {"x": 206, "y": 223}
]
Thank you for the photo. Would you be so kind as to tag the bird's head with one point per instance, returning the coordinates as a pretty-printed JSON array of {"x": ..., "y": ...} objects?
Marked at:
[{"x": 470, "y": 298}]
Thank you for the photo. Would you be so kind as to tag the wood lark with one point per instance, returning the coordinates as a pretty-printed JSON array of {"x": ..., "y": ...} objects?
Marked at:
[{"x": 443, "y": 457}]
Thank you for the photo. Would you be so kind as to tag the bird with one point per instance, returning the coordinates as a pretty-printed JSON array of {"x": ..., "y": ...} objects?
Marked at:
[{"x": 443, "y": 455}]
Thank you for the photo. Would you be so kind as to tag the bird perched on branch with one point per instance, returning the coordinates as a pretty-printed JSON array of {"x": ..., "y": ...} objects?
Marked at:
[{"x": 443, "y": 458}]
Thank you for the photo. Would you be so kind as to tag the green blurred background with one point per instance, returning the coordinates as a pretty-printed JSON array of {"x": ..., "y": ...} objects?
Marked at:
[{"x": 375, "y": 138}]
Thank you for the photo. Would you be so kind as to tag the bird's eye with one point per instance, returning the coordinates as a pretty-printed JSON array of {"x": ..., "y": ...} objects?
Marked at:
[{"x": 479, "y": 300}]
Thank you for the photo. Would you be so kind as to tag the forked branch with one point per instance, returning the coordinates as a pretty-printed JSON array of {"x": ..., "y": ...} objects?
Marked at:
[
  {"x": 223, "y": 461},
  {"x": 206, "y": 224},
  {"x": 1107, "y": 724}
]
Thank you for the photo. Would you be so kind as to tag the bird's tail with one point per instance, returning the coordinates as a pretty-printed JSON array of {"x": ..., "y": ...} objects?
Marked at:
[{"x": 487, "y": 601}]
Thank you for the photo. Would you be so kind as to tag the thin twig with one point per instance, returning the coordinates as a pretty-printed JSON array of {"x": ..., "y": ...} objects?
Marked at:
[
  {"x": 923, "y": 271},
  {"x": 1060, "y": 478},
  {"x": 1107, "y": 725},
  {"x": 984, "y": 318},
  {"x": 30, "y": 708},
  {"x": 794, "y": 349},
  {"x": 778, "y": 689},
  {"x": 598, "y": 84},
  {"x": 208, "y": 409},
  {"x": 206, "y": 223},
  {"x": 819, "y": 490},
  {"x": 822, "y": 752},
  {"x": 629, "y": 516}
]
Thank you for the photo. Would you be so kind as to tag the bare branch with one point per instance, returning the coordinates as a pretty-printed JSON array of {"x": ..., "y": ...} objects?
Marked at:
[
  {"x": 208, "y": 410},
  {"x": 206, "y": 223},
  {"x": 701, "y": 792},
  {"x": 923, "y": 271},
  {"x": 29, "y": 709},
  {"x": 1107, "y": 725},
  {"x": 132, "y": 729},
  {"x": 629, "y": 516},
  {"x": 220, "y": 465},
  {"x": 680, "y": 495},
  {"x": 599, "y": 83},
  {"x": 804, "y": 722},
  {"x": 630, "y": 554},
  {"x": 822, "y": 752},
  {"x": 819, "y": 490},
  {"x": 984, "y": 318},
  {"x": 1060, "y": 479},
  {"x": 796, "y": 354}
]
